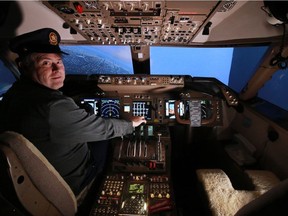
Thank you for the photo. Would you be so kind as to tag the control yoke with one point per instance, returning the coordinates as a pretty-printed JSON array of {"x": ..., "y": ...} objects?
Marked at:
[{"x": 204, "y": 122}]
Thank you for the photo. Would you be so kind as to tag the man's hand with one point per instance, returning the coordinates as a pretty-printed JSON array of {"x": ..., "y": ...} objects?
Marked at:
[{"x": 138, "y": 120}]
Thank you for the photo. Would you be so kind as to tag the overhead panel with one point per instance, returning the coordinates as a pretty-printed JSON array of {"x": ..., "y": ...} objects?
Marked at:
[{"x": 134, "y": 22}]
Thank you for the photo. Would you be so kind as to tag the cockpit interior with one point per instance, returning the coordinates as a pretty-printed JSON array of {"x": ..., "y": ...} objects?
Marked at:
[{"x": 211, "y": 146}]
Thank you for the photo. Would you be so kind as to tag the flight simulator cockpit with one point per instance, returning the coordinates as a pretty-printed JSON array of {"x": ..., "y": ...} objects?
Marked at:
[{"x": 138, "y": 180}]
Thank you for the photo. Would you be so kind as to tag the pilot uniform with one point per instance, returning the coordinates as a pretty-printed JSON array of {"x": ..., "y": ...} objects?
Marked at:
[{"x": 54, "y": 123}]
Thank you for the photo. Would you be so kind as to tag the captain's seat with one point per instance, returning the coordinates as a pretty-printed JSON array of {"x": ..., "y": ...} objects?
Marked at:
[{"x": 39, "y": 188}]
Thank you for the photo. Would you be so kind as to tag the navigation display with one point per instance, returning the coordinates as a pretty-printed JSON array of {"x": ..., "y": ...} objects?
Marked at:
[
  {"x": 142, "y": 108},
  {"x": 104, "y": 107},
  {"x": 110, "y": 108}
]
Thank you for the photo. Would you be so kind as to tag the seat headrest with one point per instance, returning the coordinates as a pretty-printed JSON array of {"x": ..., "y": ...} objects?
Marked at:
[{"x": 43, "y": 175}]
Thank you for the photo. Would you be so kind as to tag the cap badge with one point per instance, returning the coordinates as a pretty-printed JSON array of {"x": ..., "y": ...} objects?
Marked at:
[{"x": 53, "y": 38}]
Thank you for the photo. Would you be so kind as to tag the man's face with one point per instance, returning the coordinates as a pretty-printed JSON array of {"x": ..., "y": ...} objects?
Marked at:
[{"x": 49, "y": 70}]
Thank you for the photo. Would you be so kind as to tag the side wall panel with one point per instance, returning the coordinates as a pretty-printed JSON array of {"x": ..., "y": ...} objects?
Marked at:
[{"x": 272, "y": 155}]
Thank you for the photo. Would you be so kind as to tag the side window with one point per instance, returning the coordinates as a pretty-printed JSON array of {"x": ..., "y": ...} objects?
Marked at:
[
  {"x": 244, "y": 63},
  {"x": 274, "y": 90},
  {"x": 6, "y": 78}
]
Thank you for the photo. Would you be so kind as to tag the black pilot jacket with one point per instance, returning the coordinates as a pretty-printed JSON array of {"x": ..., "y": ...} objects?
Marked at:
[{"x": 57, "y": 127}]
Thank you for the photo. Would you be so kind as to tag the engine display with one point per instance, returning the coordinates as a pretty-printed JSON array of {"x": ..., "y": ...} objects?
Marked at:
[{"x": 142, "y": 108}]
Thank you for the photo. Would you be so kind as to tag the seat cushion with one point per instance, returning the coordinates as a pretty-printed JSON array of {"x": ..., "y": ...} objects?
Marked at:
[
  {"x": 223, "y": 199},
  {"x": 273, "y": 202}
]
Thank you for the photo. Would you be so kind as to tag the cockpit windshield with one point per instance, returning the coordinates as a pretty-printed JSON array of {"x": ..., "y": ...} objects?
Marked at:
[
  {"x": 97, "y": 60},
  {"x": 197, "y": 62},
  {"x": 224, "y": 64}
]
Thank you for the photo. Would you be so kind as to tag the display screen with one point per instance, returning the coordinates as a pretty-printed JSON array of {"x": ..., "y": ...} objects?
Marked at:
[
  {"x": 91, "y": 105},
  {"x": 148, "y": 130},
  {"x": 126, "y": 108},
  {"x": 104, "y": 107},
  {"x": 169, "y": 109},
  {"x": 206, "y": 111},
  {"x": 183, "y": 109},
  {"x": 110, "y": 108},
  {"x": 136, "y": 188},
  {"x": 142, "y": 108}
]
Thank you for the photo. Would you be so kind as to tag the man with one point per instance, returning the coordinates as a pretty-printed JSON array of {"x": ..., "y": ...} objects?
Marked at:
[{"x": 36, "y": 108}]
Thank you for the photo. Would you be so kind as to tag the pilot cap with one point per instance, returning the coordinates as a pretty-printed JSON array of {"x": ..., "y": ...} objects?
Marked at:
[{"x": 45, "y": 40}]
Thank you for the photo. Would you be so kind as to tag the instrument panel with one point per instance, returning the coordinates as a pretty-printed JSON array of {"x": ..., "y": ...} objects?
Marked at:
[
  {"x": 160, "y": 110},
  {"x": 139, "y": 179},
  {"x": 135, "y": 22},
  {"x": 161, "y": 99},
  {"x": 134, "y": 195}
]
